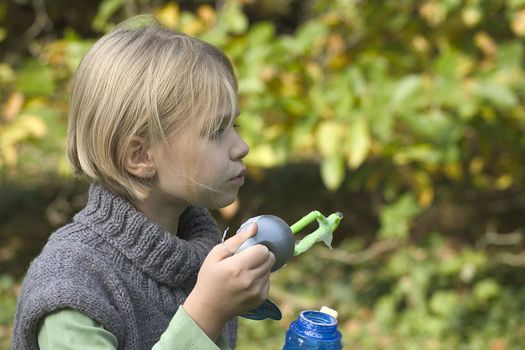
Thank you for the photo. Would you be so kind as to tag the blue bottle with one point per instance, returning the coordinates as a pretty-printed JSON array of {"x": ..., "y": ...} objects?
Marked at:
[{"x": 313, "y": 330}]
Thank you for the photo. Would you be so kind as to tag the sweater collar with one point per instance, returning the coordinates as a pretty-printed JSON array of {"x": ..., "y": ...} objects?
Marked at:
[{"x": 168, "y": 259}]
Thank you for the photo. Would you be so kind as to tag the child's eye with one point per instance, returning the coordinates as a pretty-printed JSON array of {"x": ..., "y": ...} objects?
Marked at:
[
  {"x": 218, "y": 133},
  {"x": 223, "y": 130}
]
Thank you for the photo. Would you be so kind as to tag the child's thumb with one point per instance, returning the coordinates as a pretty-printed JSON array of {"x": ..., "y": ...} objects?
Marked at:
[{"x": 230, "y": 246}]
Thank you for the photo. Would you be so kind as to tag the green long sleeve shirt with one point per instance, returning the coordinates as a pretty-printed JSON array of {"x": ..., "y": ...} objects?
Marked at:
[{"x": 70, "y": 329}]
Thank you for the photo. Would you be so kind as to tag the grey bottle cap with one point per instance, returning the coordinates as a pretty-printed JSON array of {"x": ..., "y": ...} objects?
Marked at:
[{"x": 274, "y": 233}]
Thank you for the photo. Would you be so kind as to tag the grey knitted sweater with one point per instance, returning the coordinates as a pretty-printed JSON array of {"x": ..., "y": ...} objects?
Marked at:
[{"x": 120, "y": 269}]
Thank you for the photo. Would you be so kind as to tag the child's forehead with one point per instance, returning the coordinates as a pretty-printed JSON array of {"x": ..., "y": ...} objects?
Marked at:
[{"x": 227, "y": 112}]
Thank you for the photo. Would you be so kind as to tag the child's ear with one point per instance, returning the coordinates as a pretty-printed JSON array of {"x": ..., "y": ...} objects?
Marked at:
[{"x": 138, "y": 160}]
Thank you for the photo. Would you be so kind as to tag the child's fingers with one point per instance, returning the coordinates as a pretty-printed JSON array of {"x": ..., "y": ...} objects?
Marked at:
[
  {"x": 264, "y": 269},
  {"x": 229, "y": 247},
  {"x": 256, "y": 257}
]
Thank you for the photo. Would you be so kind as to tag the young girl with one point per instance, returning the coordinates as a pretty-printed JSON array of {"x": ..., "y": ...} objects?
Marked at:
[{"x": 142, "y": 266}]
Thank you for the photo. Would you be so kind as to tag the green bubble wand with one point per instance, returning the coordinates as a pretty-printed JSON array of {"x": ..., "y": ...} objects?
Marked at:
[
  {"x": 278, "y": 237},
  {"x": 324, "y": 233}
]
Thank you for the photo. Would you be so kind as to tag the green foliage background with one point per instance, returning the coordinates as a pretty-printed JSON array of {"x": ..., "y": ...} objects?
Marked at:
[{"x": 407, "y": 116}]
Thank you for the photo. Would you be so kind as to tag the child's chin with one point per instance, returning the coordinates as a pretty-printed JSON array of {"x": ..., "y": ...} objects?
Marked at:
[{"x": 220, "y": 201}]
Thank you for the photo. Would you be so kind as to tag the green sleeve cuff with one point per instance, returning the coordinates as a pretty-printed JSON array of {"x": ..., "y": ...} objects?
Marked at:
[
  {"x": 72, "y": 330},
  {"x": 184, "y": 333}
]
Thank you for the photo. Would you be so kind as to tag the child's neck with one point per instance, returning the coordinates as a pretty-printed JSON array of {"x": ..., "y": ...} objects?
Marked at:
[{"x": 162, "y": 211}]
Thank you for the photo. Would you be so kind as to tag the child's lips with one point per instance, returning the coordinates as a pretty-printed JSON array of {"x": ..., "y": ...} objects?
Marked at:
[{"x": 239, "y": 177}]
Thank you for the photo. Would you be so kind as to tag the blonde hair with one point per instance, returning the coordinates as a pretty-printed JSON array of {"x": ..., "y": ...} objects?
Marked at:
[{"x": 143, "y": 80}]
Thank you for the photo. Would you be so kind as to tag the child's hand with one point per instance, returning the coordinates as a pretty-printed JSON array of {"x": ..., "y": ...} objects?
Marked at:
[{"x": 228, "y": 284}]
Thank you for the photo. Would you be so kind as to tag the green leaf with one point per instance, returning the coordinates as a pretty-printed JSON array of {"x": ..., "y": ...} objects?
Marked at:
[
  {"x": 357, "y": 81},
  {"x": 397, "y": 218},
  {"x": 406, "y": 89},
  {"x": 510, "y": 56},
  {"x": 106, "y": 9},
  {"x": 516, "y": 4},
  {"x": 307, "y": 35},
  {"x": 232, "y": 18},
  {"x": 333, "y": 172},
  {"x": 444, "y": 303},
  {"x": 261, "y": 33},
  {"x": 448, "y": 65},
  {"x": 499, "y": 95},
  {"x": 36, "y": 79},
  {"x": 75, "y": 51},
  {"x": 486, "y": 289}
]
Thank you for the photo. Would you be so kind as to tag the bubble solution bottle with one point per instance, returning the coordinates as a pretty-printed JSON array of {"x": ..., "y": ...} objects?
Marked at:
[{"x": 314, "y": 330}]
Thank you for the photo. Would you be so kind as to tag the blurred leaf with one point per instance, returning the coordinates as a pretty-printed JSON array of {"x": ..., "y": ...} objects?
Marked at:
[
  {"x": 106, "y": 9},
  {"x": 329, "y": 137},
  {"x": 358, "y": 142},
  {"x": 169, "y": 15},
  {"x": 518, "y": 23},
  {"x": 420, "y": 153},
  {"x": 262, "y": 156},
  {"x": 333, "y": 172},
  {"x": 397, "y": 217},
  {"x": 495, "y": 93},
  {"x": 36, "y": 79},
  {"x": 76, "y": 49},
  {"x": 486, "y": 289},
  {"x": 406, "y": 89},
  {"x": 444, "y": 303},
  {"x": 307, "y": 36},
  {"x": 232, "y": 18},
  {"x": 260, "y": 34}
]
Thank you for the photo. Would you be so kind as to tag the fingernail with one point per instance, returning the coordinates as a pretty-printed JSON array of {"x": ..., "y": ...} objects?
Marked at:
[{"x": 248, "y": 224}]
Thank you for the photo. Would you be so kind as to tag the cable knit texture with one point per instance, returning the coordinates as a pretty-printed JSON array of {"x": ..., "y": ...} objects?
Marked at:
[{"x": 120, "y": 269}]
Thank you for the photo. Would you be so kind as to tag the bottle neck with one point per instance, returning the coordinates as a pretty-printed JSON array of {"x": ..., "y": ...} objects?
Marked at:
[{"x": 316, "y": 324}]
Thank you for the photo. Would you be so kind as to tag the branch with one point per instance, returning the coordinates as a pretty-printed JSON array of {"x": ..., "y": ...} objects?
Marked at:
[
  {"x": 515, "y": 260},
  {"x": 41, "y": 21},
  {"x": 372, "y": 252}
]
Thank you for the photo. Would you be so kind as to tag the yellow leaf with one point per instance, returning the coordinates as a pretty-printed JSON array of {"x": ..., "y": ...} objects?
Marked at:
[
  {"x": 485, "y": 43},
  {"x": 425, "y": 197},
  {"x": 476, "y": 166},
  {"x": 471, "y": 16},
  {"x": 263, "y": 156},
  {"x": 358, "y": 141},
  {"x": 169, "y": 15},
  {"x": 503, "y": 182},
  {"x": 313, "y": 70},
  {"x": 333, "y": 172},
  {"x": 425, "y": 191},
  {"x": 328, "y": 138},
  {"x": 35, "y": 126},
  {"x": 207, "y": 15},
  {"x": 193, "y": 27},
  {"x": 13, "y": 106},
  {"x": 9, "y": 156},
  {"x": 433, "y": 12},
  {"x": 453, "y": 170},
  {"x": 518, "y": 23},
  {"x": 420, "y": 43}
]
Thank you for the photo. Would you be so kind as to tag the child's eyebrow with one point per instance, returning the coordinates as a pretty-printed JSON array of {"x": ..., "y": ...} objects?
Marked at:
[{"x": 227, "y": 116}]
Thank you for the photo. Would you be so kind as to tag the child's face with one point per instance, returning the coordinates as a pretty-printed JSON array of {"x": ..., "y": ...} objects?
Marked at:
[{"x": 216, "y": 173}]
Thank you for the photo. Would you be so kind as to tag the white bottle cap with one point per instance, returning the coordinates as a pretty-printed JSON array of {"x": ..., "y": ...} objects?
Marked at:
[{"x": 331, "y": 312}]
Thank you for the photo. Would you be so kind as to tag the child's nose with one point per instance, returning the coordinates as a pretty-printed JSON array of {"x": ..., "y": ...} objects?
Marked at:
[{"x": 239, "y": 150}]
